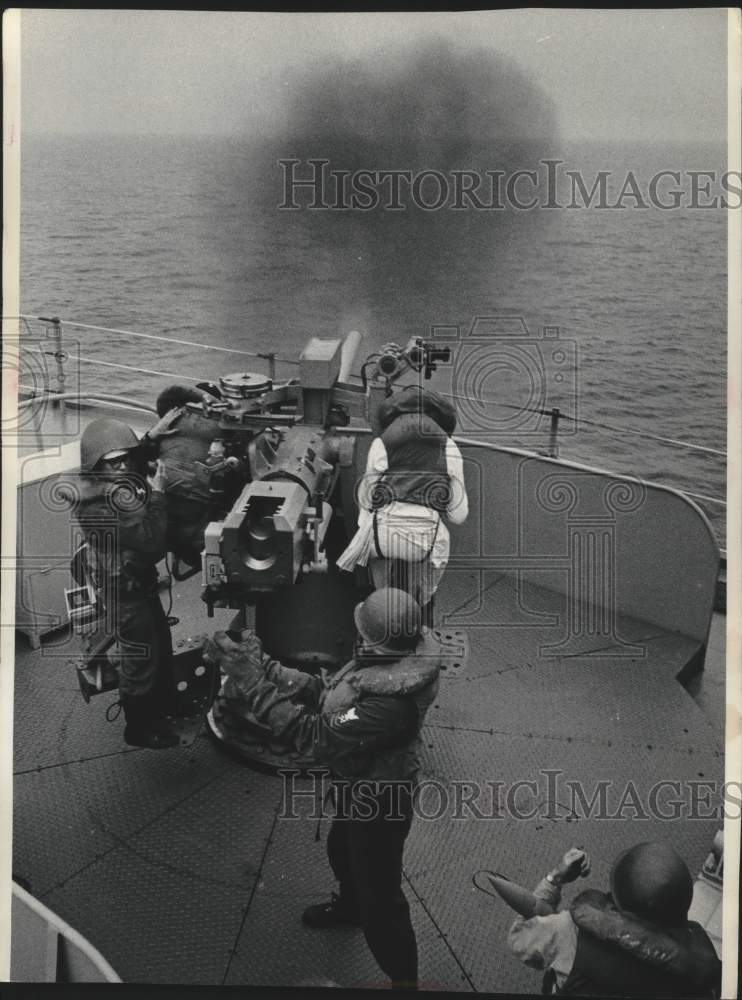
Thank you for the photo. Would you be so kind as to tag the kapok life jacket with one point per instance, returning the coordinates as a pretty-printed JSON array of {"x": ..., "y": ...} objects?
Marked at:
[
  {"x": 415, "y": 676},
  {"x": 125, "y": 527},
  {"x": 619, "y": 954},
  {"x": 417, "y": 469},
  {"x": 190, "y": 502},
  {"x": 415, "y": 399}
]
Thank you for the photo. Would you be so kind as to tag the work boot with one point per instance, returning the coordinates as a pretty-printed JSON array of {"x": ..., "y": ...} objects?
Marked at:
[
  {"x": 156, "y": 736},
  {"x": 143, "y": 729},
  {"x": 337, "y": 913}
]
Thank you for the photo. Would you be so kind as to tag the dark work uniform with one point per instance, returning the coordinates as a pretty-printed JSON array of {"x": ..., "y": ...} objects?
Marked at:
[
  {"x": 365, "y": 845},
  {"x": 364, "y": 724},
  {"x": 125, "y": 531}
]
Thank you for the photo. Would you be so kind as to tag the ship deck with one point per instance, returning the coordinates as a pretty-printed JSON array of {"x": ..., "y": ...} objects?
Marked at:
[{"x": 178, "y": 866}]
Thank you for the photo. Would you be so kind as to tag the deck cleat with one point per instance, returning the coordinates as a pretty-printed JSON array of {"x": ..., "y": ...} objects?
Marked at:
[{"x": 454, "y": 649}]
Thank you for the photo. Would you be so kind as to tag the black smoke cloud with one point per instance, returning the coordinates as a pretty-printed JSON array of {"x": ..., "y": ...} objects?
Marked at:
[{"x": 430, "y": 108}]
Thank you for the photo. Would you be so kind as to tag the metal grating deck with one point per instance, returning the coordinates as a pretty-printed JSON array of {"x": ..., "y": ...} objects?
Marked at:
[{"x": 176, "y": 866}]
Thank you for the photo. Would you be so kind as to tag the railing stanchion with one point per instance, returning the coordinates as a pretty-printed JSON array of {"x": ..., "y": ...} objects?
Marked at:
[
  {"x": 270, "y": 357},
  {"x": 553, "y": 432},
  {"x": 58, "y": 356}
]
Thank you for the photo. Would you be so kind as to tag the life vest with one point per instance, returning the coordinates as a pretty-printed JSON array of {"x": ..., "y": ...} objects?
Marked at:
[
  {"x": 414, "y": 399},
  {"x": 191, "y": 503},
  {"x": 112, "y": 515},
  {"x": 416, "y": 459},
  {"x": 415, "y": 676},
  {"x": 620, "y": 954}
]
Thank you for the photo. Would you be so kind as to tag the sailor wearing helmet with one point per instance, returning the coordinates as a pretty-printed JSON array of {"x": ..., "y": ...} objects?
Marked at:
[
  {"x": 122, "y": 514},
  {"x": 413, "y": 483},
  {"x": 363, "y": 722},
  {"x": 634, "y": 941}
]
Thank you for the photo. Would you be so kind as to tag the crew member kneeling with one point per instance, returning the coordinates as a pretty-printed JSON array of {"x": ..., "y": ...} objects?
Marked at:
[
  {"x": 635, "y": 941},
  {"x": 364, "y": 722}
]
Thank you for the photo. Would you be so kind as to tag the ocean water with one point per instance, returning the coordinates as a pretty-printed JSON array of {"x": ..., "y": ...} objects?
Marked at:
[{"x": 183, "y": 238}]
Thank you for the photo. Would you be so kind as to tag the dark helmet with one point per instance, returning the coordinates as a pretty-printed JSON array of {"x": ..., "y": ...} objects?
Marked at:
[
  {"x": 101, "y": 437},
  {"x": 414, "y": 399},
  {"x": 174, "y": 396},
  {"x": 653, "y": 882},
  {"x": 390, "y": 621}
]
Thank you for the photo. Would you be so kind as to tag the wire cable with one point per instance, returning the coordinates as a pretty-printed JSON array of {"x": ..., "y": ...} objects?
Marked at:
[
  {"x": 161, "y": 339},
  {"x": 588, "y": 423}
]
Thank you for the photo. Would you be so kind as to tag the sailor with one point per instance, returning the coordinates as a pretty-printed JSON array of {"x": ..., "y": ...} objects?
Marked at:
[
  {"x": 122, "y": 513},
  {"x": 414, "y": 476},
  {"x": 635, "y": 941},
  {"x": 191, "y": 502},
  {"x": 363, "y": 723}
]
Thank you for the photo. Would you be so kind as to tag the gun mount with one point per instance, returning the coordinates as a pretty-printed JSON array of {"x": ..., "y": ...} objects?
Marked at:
[
  {"x": 296, "y": 445},
  {"x": 261, "y": 492}
]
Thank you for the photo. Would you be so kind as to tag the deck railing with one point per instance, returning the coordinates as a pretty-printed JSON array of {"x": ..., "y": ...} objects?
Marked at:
[{"x": 53, "y": 332}]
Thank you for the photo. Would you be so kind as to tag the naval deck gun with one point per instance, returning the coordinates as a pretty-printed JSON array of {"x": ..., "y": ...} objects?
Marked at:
[
  {"x": 301, "y": 445},
  {"x": 261, "y": 497}
]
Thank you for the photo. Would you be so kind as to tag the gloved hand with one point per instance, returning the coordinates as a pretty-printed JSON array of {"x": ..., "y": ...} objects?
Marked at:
[
  {"x": 264, "y": 693},
  {"x": 242, "y": 661}
]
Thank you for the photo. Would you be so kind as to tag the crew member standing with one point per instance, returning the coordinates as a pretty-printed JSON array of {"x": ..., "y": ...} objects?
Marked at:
[
  {"x": 191, "y": 499},
  {"x": 364, "y": 723},
  {"x": 414, "y": 477},
  {"x": 123, "y": 516}
]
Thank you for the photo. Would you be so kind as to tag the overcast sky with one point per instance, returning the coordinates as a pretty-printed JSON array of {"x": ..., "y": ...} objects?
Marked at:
[{"x": 632, "y": 74}]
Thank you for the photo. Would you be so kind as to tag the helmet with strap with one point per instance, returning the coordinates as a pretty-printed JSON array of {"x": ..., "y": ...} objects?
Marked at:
[
  {"x": 100, "y": 438},
  {"x": 390, "y": 621}
]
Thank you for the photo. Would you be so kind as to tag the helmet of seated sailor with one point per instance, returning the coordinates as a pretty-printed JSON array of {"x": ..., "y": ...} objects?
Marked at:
[
  {"x": 651, "y": 881},
  {"x": 390, "y": 621}
]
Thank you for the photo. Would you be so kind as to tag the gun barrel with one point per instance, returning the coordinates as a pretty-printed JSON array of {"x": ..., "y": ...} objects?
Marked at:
[{"x": 348, "y": 353}]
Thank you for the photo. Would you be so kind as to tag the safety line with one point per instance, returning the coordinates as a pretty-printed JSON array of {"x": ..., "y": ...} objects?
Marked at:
[
  {"x": 161, "y": 339},
  {"x": 486, "y": 401},
  {"x": 114, "y": 364},
  {"x": 702, "y": 496},
  {"x": 586, "y": 422},
  {"x": 646, "y": 434},
  {"x": 132, "y": 368}
]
